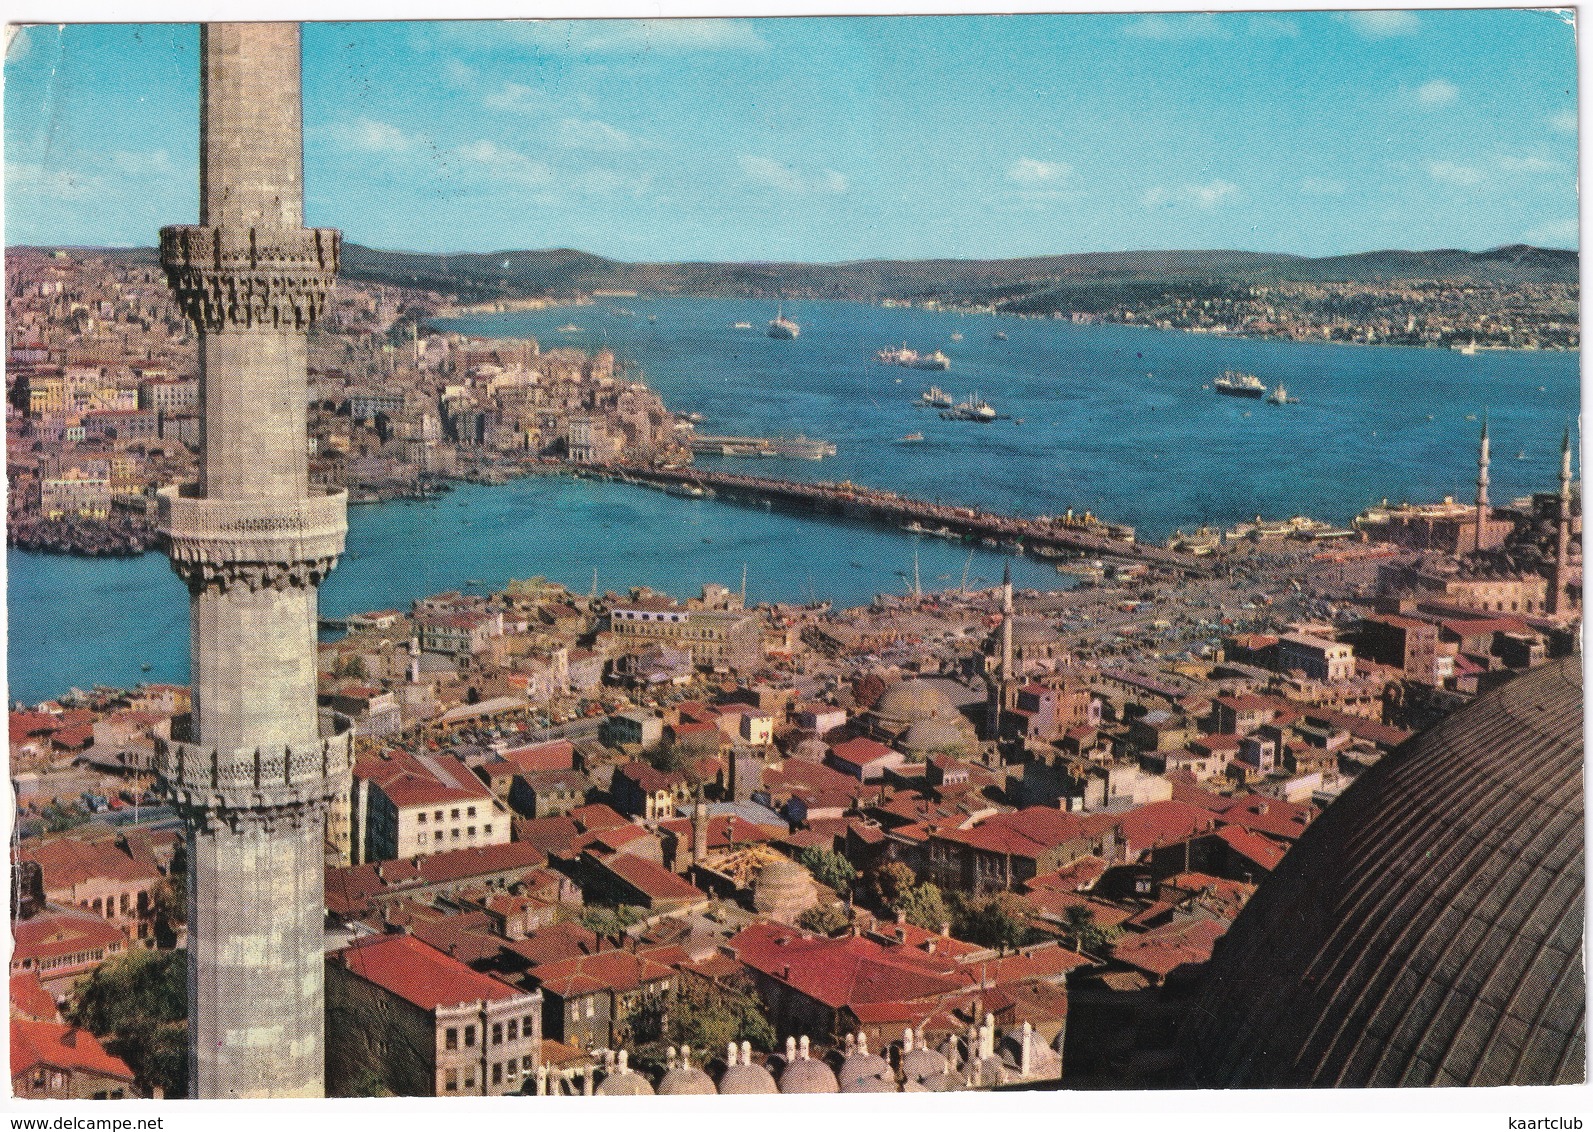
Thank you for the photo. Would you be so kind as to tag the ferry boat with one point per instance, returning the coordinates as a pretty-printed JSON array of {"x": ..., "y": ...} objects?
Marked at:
[
  {"x": 783, "y": 327},
  {"x": 973, "y": 409},
  {"x": 1235, "y": 384},
  {"x": 936, "y": 398},
  {"x": 897, "y": 356}
]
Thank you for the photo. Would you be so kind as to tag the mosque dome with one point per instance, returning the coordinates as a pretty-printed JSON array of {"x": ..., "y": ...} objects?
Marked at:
[
  {"x": 928, "y": 735},
  {"x": 743, "y": 1078},
  {"x": 811, "y": 749},
  {"x": 624, "y": 1082},
  {"x": 859, "y": 1066},
  {"x": 940, "y": 1083},
  {"x": 908, "y": 701},
  {"x": 868, "y": 1085},
  {"x": 683, "y": 1079},
  {"x": 920, "y": 1064},
  {"x": 806, "y": 1074},
  {"x": 784, "y": 890},
  {"x": 1427, "y": 929}
]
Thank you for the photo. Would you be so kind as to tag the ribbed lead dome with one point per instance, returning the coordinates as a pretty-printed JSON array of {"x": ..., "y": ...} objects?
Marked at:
[{"x": 1427, "y": 929}]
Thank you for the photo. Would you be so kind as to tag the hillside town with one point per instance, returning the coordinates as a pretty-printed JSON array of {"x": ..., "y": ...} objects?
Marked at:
[
  {"x": 626, "y": 843},
  {"x": 103, "y": 401}
]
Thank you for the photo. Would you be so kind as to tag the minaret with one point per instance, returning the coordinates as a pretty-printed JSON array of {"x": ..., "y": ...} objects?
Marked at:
[
  {"x": 1482, "y": 485},
  {"x": 248, "y": 770},
  {"x": 699, "y": 830},
  {"x": 998, "y": 687},
  {"x": 1559, "y": 594}
]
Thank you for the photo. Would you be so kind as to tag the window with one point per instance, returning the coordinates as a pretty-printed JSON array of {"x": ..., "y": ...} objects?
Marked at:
[
  {"x": 451, "y": 1038},
  {"x": 470, "y": 812},
  {"x": 456, "y": 814},
  {"x": 589, "y": 1004},
  {"x": 420, "y": 838},
  {"x": 487, "y": 829},
  {"x": 471, "y": 832},
  {"x": 437, "y": 836},
  {"x": 470, "y": 1079},
  {"x": 528, "y": 1023},
  {"x": 470, "y": 1038},
  {"x": 497, "y": 1072},
  {"x": 497, "y": 1033},
  {"x": 437, "y": 816},
  {"x": 451, "y": 1081},
  {"x": 514, "y": 1029},
  {"x": 525, "y": 1063},
  {"x": 421, "y": 818},
  {"x": 455, "y": 832}
]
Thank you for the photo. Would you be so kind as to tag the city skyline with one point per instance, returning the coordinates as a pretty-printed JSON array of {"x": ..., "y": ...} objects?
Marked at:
[{"x": 830, "y": 139}]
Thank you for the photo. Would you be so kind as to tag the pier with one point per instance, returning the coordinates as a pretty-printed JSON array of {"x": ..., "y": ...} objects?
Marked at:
[
  {"x": 793, "y": 448},
  {"x": 1047, "y": 537}
]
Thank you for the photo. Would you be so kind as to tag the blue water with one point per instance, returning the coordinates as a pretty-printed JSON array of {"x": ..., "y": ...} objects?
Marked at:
[{"x": 1114, "y": 419}]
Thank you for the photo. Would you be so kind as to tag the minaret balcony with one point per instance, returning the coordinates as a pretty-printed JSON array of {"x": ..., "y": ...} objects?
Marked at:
[{"x": 301, "y": 535}]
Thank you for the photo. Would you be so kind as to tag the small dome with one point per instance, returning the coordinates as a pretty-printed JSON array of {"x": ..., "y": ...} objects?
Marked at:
[
  {"x": 940, "y": 1083},
  {"x": 784, "y": 890},
  {"x": 908, "y": 701},
  {"x": 933, "y": 735},
  {"x": 919, "y": 1064},
  {"x": 625, "y": 1083},
  {"x": 683, "y": 1079},
  {"x": 746, "y": 1080},
  {"x": 811, "y": 750},
  {"x": 868, "y": 1085},
  {"x": 808, "y": 1075},
  {"x": 861, "y": 1066}
]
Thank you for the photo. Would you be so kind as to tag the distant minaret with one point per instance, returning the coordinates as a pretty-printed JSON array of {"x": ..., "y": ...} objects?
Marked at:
[
  {"x": 1482, "y": 485},
  {"x": 1003, "y": 679},
  {"x": 1559, "y": 595},
  {"x": 699, "y": 830}
]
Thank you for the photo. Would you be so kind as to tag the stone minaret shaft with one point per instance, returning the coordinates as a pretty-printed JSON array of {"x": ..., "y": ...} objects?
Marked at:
[
  {"x": 1559, "y": 592},
  {"x": 1000, "y": 688},
  {"x": 249, "y": 770},
  {"x": 1482, "y": 486}
]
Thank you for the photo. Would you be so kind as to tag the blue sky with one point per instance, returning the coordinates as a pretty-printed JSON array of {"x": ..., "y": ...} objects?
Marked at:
[{"x": 831, "y": 139}]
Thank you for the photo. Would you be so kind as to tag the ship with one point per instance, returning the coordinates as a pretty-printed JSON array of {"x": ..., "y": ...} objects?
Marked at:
[
  {"x": 1235, "y": 384},
  {"x": 935, "y": 360},
  {"x": 1000, "y": 336},
  {"x": 911, "y": 438},
  {"x": 936, "y": 398},
  {"x": 1280, "y": 396},
  {"x": 897, "y": 356},
  {"x": 783, "y": 327},
  {"x": 973, "y": 409}
]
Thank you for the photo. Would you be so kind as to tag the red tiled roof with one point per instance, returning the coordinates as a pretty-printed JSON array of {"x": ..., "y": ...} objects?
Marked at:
[
  {"x": 1271, "y": 816},
  {"x": 51, "y": 935},
  {"x": 1077, "y": 877},
  {"x": 598, "y": 816},
  {"x": 849, "y": 971},
  {"x": 419, "y": 973},
  {"x": 1252, "y": 847},
  {"x": 58, "y": 1046},
  {"x": 654, "y": 881},
  {"x": 1163, "y": 950},
  {"x": 615, "y": 970},
  {"x": 30, "y": 1000},
  {"x": 557, "y": 755},
  {"x": 555, "y": 943},
  {"x": 1029, "y": 832},
  {"x": 441, "y": 868},
  {"x": 860, "y": 752},
  {"x": 725, "y": 830},
  {"x": 69, "y": 861},
  {"x": 649, "y": 780},
  {"x": 1161, "y": 823}
]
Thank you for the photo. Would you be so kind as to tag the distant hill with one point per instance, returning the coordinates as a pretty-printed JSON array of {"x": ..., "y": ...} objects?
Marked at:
[
  {"x": 510, "y": 274},
  {"x": 513, "y": 273}
]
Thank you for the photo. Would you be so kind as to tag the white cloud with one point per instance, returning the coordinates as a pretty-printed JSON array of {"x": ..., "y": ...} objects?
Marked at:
[
  {"x": 590, "y": 134},
  {"x": 1556, "y": 233},
  {"x": 1437, "y": 92},
  {"x": 772, "y": 174},
  {"x": 156, "y": 162},
  {"x": 24, "y": 177},
  {"x": 1323, "y": 186},
  {"x": 610, "y": 183},
  {"x": 369, "y": 136},
  {"x": 1268, "y": 26},
  {"x": 517, "y": 98},
  {"x": 18, "y": 43},
  {"x": 1200, "y": 25},
  {"x": 1454, "y": 173},
  {"x": 1528, "y": 164},
  {"x": 1564, "y": 121},
  {"x": 460, "y": 73},
  {"x": 1028, "y": 171},
  {"x": 1382, "y": 24},
  {"x": 601, "y": 37},
  {"x": 505, "y": 164},
  {"x": 1209, "y": 195}
]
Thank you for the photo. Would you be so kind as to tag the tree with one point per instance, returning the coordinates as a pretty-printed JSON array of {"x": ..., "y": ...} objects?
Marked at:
[
  {"x": 924, "y": 907},
  {"x": 606, "y": 921},
  {"x": 827, "y": 918},
  {"x": 702, "y": 1014},
  {"x": 349, "y": 668},
  {"x": 137, "y": 1004},
  {"x": 999, "y": 920},
  {"x": 59, "y": 818},
  {"x": 892, "y": 881},
  {"x": 828, "y": 868},
  {"x": 1088, "y": 935}
]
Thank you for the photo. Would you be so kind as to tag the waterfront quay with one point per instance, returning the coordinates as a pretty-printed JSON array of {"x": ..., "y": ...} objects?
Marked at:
[
  {"x": 795, "y": 448},
  {"x": 1045, "y": 536}
]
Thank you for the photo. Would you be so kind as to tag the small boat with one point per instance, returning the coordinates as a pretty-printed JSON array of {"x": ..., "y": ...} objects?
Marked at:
[
  {"x": 1000, "y": 336},
  {"x": 782, "y": 327},
  {"x": 912, "y": 438},
  {"x": 956, "y": 336},
  {"x": 569, "y": 328},
  {"x": 741, "y": 326},
  {"x": 1279, "y": 396},
  {"x": 652, "y": 318},
  {"x": 145, "y": 667}
]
